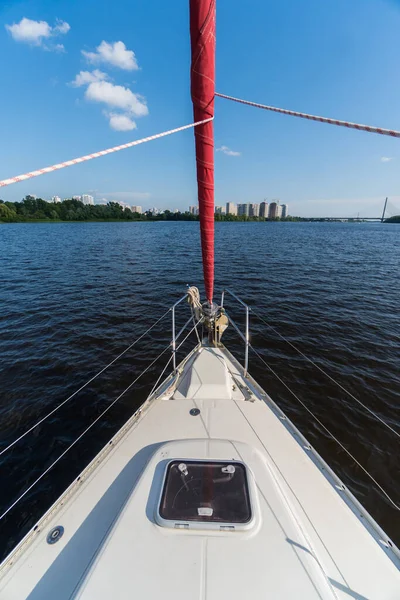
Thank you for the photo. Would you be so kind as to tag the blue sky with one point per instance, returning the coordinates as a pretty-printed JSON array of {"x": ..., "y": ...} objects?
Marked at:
[{"x": 338, "y": 59}]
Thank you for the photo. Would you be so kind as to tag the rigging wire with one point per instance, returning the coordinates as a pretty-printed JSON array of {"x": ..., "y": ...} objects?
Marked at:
[
  {"x": 82, "y": 434},
  {"x": 292, "y": 113},
  {"x": 75, "y": 161},
  {"x": 195, "y": 327},
  {"x": 176, "y": 350},
  {"x": 83, "y": 386},
  {"x": 374, "y": 414},
  {"x": 162, "y": 373},
  {"x": 101, "y": 415},
  {"x": 326, "y": 429}
]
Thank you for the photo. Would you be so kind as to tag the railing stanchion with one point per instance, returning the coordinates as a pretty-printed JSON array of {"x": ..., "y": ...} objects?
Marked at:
[
  {"x": 222, "y": 298},
  {"x": 173, "y": 339},
  {"x": 246, "y": 359},
  {"x": 246, "y": 337}
]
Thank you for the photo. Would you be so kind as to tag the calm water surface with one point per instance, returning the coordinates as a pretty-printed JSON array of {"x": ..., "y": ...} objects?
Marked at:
[{"x": 74, "y": 295}]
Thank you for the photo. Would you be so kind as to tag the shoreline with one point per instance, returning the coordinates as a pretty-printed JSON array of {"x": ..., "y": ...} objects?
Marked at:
[{"x": 299, "y": 220}]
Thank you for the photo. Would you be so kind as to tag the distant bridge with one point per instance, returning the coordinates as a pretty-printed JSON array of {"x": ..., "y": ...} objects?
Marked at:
[
  {"x": 353, "y": 219},
  {"x": 358, "y": 219}
]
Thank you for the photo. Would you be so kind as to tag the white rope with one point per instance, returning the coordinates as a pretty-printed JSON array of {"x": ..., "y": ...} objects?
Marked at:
[
  {"x": 194, "y": 301},
  {"x": 348, "y": 124},
  {"x": 76, "y": 161},
  {"x": 194, "y": 296},
  {"x": 326, "y": 429},
  {"x": 81, "y": 435},
  {"x": 329, "y": 376},
  {"x": 83, "y": 386}
]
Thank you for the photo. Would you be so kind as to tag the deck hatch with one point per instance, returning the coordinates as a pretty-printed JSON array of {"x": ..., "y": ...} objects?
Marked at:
[{"x": 206, "y": 492}]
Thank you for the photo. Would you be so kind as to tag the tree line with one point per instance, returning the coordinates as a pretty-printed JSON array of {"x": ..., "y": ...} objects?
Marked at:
[{"x": 37, "y": 209}]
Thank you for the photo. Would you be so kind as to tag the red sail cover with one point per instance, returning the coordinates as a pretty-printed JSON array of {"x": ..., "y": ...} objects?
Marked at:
[{"x": 202, "y": 35}]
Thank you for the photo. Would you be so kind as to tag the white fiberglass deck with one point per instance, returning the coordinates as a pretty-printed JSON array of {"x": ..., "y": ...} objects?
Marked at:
[{"x": 308, "y": 538}]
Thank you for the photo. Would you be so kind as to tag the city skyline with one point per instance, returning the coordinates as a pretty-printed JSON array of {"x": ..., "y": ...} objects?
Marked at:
[
  {"x": 249, "y": 209},
  {"x": 365, "y": 207},
  {"x": 263, "y": 209}
]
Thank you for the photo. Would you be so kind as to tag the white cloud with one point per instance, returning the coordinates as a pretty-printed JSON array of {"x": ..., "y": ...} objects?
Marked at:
[
  {"x": 117, "y": 96},
  {"x": 29, "y": 31},
  {"x": 386, "y": 159},
  {"x": 99, "y": 89},
  {"x": 228, "y": 151},
  {"x": 121, "y": 122},
  {"x": 36, "y": 32},
  {"x": 86, "y": 77},
  {"x": 115, "y": 54},
  {"x": 61, "y": 27}
]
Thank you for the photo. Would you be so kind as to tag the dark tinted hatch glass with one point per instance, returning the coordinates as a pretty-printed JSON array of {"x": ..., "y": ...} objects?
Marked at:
[{"x": 206, "y": 492}]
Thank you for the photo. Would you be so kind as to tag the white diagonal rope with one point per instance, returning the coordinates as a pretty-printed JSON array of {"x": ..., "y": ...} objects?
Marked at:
[
  {"x": 76, "y": 161},
  {"x": 81, "y": 435},
  {"x": 83, "y": 386},
  {"x": 326, "y": 429},
  {"x": 374, "y": 414},
  {"x": 293, "y": 113}
]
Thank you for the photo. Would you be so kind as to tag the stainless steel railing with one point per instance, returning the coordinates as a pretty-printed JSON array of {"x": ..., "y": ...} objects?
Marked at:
[
  {"x": 176, "y": 336},
  {"x": 246, "y": 336}
]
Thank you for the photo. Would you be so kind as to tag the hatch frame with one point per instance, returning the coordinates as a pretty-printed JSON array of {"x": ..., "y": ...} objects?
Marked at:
[{"x": 215, "y": 526}]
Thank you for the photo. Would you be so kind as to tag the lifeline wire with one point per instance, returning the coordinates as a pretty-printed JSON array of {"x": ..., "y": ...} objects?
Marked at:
[
  {"x": 327, "y": 375},
  {"x": 83, "y": 386},
  {"x": 81, "y": 435},
  {"x": 326, "y": 429}
]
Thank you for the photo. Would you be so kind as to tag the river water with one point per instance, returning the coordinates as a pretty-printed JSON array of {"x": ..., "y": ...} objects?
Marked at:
[{"x": 73, "y": 295}]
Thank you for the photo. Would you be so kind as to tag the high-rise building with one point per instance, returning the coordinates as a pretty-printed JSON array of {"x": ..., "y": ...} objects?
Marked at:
[
  {"x": 219, "y": 210},
  {"x": 243, "y": 210},
  {"x": 56, "y": 199},
  {"x": 254, "y": 210},
  {"x": 285, "y": 210},
  {"x": 137, "y": 209},
  {"x": 87, "y": 199},
  {"x": 194, "y": 210},
  {"x": 264, "y": 210},
  {"x": 231, "y": 208},
  {"x": 76, "y": 198},
  {"x": 273, "y": 212},
  {"x": 154, "y": 211}
]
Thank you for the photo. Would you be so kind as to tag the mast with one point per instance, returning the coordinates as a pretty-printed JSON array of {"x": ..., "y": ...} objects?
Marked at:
[{"x": 202, "y": 74}]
